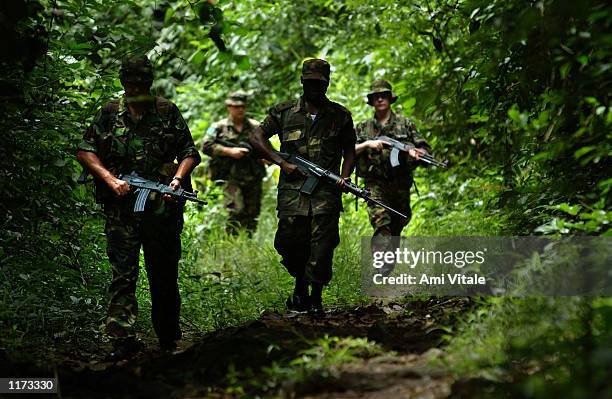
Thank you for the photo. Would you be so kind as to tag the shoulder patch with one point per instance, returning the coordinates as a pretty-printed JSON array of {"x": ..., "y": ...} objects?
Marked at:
[{"x": 210, "y": 132}]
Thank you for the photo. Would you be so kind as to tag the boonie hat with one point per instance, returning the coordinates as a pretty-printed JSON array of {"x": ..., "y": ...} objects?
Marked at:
[
  {"x": 237, "y": 98},
  {"x": 136, "y": 68},
  {"x": 380, "y": 86}
]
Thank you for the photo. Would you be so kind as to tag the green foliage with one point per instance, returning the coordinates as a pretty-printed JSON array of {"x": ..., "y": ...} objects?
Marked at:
[
  {"x": 550, "y": 347},
  {"x": 316, "y": 364},
  {"x": 457, "y": 206},
  {"x": 515, "y": 95}
]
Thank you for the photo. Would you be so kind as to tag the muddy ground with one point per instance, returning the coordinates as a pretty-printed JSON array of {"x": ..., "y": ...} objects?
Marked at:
[{"x": 410, "y": 335}]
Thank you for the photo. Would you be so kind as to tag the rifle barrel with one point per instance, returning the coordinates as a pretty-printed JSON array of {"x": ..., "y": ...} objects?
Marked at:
[
  {"x": 431, "y": 160},
  {"x": 369, "y": 199}
]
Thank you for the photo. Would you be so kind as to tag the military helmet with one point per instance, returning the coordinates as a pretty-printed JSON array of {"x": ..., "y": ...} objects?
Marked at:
[
  {"x": 380, "y": 86},
  {"x": 136, "y": 68},
  {"x": 316, "y": 68},
  {"x": 237, "y": 98}
]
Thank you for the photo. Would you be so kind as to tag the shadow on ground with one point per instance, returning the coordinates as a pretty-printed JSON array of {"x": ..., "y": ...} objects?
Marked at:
[{"x": 411, "y": 331}]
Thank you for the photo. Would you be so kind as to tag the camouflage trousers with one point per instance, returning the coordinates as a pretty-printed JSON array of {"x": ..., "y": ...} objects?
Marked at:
[
  {"x": 159, "y": 237},
  {"x": 243, "y": 204},
  {"x": 387, "y": 223},
  {"x": 397, "y": 196},
  {"x": 306, "y": 244}
]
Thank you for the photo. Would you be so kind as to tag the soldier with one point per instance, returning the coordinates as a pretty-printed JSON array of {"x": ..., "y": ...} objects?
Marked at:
[
  {"x": 321, "y": 131},
  {"x": 145, "y": 134},
  {"x": 387, "y": 184},
  {"x": 232, "y": 161}
]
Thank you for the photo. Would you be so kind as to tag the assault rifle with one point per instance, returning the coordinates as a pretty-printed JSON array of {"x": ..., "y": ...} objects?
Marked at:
[
  {"x": 399, "y": 146},
  {"x": 314, "y": 173},
  {"x": 144, "y": 187}
]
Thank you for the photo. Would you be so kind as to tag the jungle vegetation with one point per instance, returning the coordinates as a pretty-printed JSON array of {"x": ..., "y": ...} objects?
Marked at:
[{"x": 514, "y": 94}]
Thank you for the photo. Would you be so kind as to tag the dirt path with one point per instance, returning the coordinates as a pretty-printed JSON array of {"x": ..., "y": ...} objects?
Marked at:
[{"x": 409, "y": 335}]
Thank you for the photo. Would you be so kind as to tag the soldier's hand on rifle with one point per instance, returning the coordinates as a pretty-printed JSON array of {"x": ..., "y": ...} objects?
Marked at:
[
  {"x": 290, "y": 169},
  {"x": 341, "y": 183},
  {"x": 119, "y": 187},
  {"x": 376, "y": 145},
  {"x": 175, "y": 184},
  {"x": 236, "y": 152},
  {"x": 416, "y": 153}
]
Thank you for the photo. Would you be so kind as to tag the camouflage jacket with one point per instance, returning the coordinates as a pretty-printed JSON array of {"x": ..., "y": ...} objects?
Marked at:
[
  {"x": 373, "y": 164},
  {"x": 244, "y": 170},
  {"x": 320, "y": 141},
  {"x": 149, "y": 146}
]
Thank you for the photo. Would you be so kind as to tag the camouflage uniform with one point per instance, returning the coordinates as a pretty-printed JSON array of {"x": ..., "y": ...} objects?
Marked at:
[
  {"x": 387, "y": 184},
  {"x": 242, "y": 177},
  {"x": 308, "y": 224},
  {"x": 149, "y": 145}
]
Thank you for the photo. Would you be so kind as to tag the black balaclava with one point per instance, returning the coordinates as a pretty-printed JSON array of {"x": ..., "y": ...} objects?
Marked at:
[{"x": 314, "y": 91}]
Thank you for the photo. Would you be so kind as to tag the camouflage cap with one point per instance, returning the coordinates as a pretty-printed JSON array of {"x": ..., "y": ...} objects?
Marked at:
[
  {"x": 316, "y": 68},
  {"x": 237, "y": 98},
  {"x": 136, "y": 68},
  {"x": 381, "y": 86}
]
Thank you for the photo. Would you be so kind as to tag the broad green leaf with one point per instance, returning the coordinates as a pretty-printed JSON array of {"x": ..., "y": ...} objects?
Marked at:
[{"x": 582, "y": 151}]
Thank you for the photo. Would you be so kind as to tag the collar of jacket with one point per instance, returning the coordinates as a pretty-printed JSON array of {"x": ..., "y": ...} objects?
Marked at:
[
  {"x": 392, "y": 119},
  {"x": 151, "y": 109},
  {"x": 246, "y": 124},
  {"x": 300, "y": 106}
]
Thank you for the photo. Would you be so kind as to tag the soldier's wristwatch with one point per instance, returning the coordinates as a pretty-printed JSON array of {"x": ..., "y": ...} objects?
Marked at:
[{"x": 180, "y": 179}]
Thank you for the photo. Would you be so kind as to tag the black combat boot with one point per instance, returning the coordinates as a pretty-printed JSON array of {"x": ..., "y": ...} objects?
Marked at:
[
  {"x": 169, "y": 344},
  {"x": 124, "y": 348},
  {"x": 299, "y": 300},
  {"x": 316, "y": 301}
]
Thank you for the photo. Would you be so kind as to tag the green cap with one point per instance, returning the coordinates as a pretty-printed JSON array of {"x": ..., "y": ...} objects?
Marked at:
[
  {"x": 381, "y": 86},
  {"x": 136, "y": 68},
  {"x": 237, "y": 98},
  {"x": 316, "y": 68}
]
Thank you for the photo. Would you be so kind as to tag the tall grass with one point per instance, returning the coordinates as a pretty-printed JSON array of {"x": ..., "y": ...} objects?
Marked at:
[{"x": 226, "y": 280}]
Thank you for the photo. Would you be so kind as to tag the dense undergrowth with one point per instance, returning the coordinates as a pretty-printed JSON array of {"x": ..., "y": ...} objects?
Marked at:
[{"x": 515, "y": 95}]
